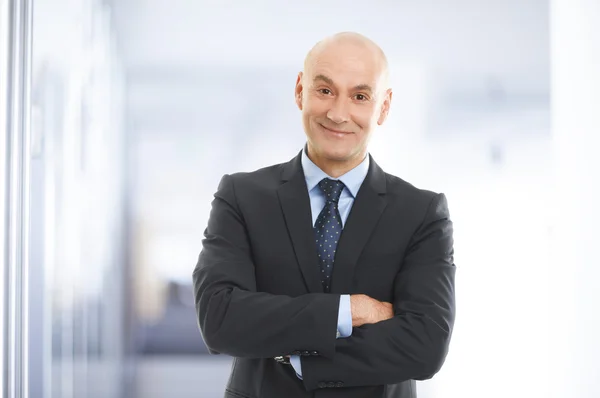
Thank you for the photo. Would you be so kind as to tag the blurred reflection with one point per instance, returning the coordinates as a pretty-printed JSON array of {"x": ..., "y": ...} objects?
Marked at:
[{"x": 77, "y": 275}]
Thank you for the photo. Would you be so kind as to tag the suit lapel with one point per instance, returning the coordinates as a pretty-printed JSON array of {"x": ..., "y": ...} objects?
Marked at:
[
  {"x": 295, "y": 204},
  {"x": 368, "y": 206}
]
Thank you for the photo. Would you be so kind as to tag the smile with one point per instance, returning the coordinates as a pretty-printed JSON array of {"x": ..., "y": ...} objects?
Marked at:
[{"x": 336, "y": 132}]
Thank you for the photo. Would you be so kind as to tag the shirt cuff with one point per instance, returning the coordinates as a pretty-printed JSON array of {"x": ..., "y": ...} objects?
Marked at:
[
  {"x": 344, "y": 327},
  {"x": 297, "y": 365}
]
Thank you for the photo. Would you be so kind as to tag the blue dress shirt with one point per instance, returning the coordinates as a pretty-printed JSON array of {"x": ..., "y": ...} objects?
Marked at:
[{"x": 353, "y": 179}]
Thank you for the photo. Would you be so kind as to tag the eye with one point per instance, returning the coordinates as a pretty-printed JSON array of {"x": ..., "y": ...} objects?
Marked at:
[
  {"x": 361, "y": 97},
  {"x": 325, "y": 91}
]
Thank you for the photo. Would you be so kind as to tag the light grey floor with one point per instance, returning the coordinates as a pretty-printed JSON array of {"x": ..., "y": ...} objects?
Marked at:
[{"x": 182, "y": 377}]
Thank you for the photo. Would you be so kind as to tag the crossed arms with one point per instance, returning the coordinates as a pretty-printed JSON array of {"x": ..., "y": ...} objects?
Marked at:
[{"x": 237, "y": 320}]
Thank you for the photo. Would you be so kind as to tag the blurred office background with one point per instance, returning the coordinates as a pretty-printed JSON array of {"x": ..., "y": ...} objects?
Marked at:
[{"x": 138, "y": 107}]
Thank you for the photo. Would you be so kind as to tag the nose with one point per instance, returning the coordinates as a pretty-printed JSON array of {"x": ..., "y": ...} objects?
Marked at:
[{"x": 339, "y": 111}]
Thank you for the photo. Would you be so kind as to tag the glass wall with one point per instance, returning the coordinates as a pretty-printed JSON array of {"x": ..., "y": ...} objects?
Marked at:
[
  {"x": 78, "y": 222},
  {"x": 64, "y": 224}
]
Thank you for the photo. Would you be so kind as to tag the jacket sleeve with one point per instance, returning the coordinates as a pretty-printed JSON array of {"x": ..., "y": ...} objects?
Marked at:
[
  {"x": 237, "y": 320},
  {"x": 414, "y": 343}
]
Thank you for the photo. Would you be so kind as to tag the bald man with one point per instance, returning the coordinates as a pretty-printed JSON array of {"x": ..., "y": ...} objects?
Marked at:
[{"x": 325, "y": 276}]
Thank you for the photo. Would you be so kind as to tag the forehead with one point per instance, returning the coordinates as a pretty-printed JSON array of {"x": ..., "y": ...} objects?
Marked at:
[{"x": 346, "y": 64}]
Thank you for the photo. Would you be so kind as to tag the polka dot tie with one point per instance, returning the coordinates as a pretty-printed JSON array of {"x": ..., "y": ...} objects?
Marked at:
[{"x": 328, "y": 229}]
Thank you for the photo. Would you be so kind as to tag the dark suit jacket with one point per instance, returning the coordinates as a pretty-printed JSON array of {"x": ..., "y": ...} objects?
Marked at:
[{"x": 258, "y": 291}]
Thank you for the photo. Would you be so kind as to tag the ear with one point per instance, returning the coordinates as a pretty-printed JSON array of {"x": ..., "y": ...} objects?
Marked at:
[
  {"x": 298, "y": 91},
  {"x": 385, "y": 107}
]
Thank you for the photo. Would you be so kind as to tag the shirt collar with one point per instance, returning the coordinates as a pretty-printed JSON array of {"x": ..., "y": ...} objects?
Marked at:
[{"x": 353, "y": 179}]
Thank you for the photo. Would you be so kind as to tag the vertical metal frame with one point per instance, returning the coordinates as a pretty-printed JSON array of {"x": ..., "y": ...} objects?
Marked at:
[
  {"x": 15, "y": 84},
  {"x": 4, "y": 287}
]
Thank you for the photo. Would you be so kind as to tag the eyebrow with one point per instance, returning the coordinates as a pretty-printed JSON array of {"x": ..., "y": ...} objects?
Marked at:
[{"x": 360, "y": 87}]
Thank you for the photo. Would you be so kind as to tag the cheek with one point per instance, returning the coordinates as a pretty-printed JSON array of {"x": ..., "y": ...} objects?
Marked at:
[
  {"x": 314, "y": 106},
  {"x": 366, "y": 118}
]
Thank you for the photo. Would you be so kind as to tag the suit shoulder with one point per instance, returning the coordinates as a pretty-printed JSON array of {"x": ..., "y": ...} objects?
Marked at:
[
  {"x": 265, "y": 177},
  {"x": 418, "y": 201},
  {"x": 399, "y": 187}
]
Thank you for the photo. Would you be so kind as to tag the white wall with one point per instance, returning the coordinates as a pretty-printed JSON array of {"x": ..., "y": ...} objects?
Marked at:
[{"x": 575, "y": 317}]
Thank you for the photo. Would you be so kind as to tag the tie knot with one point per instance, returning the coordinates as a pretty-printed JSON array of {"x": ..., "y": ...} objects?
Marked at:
[{"x": 331, "y": 188}]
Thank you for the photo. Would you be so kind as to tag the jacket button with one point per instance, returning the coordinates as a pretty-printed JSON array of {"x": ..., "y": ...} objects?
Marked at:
[
  {"x": 306, "y": 353},
  {"x": 339, "y": 384},
  {"x": 314, "y": 353},
  {"x": 322, "y": 384},
  {"x": 331, "y": 384},
  {"x": 296, "y": 352}
]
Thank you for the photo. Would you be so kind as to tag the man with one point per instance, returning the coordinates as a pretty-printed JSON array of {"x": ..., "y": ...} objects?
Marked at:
[{"x": 325, "y": 276}]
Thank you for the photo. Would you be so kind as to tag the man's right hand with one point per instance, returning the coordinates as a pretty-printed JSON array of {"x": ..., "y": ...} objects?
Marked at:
[{"x": 368, "y": 310}]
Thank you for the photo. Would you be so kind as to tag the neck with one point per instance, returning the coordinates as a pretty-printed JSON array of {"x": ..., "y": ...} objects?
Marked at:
[{"x": 333, "y": 167}]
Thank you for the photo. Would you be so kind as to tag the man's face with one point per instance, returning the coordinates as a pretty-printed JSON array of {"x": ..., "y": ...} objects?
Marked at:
[{"x": 343, "y": 97}]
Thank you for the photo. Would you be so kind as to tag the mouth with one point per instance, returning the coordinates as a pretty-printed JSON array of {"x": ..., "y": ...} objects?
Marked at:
[{"x": 339, "y": 133}]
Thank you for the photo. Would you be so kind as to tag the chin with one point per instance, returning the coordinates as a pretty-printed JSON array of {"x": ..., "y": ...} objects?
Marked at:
[
  {"x": 338, "y": 154},
  {"x": 333, "y": 149}
]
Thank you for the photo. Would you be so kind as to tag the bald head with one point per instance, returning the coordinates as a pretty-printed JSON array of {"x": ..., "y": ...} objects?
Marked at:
[
  {"x": 344, "y": 96},
  {"x": 350, "y": 43}
]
